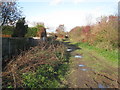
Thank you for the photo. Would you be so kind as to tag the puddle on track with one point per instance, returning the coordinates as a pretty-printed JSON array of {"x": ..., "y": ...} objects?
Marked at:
[
  {"x": 84, "y": 69},
  {"x": 102, "y": 86},
  {"x": 80, "y": 65},
  {"x": 69, "y": 49},
  {"x": 78, "y": 56}
]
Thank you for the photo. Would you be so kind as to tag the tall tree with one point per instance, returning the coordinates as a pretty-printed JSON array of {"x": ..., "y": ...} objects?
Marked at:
[
  {"x": 20, "y": 29},
  {"x": 9, "y": 12},
  {"x": 60, "y": 29}
]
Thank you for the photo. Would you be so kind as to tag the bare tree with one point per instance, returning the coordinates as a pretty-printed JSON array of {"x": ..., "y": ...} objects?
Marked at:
[
  {"x": 9, "y": 12},
  {"x": 37, "y": 23},
  {"x": 89, "y": 19},
  {"x": 60, "y": 29}
]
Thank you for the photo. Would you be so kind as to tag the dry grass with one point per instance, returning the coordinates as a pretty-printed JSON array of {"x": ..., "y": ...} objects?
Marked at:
[{"x": 44, "y": 53}]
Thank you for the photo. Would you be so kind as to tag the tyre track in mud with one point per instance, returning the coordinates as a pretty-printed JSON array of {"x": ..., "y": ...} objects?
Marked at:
[
  {"x": 90, "y": 78},
  {"x": 107, "y": 76},
  {"x": 108, "y": 67}
]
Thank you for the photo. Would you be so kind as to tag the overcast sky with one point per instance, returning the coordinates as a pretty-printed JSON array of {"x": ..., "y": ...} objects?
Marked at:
[{"x": 71, "y": 13}]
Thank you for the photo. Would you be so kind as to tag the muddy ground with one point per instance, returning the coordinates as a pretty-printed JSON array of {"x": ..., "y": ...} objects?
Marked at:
[{"x": 90, "y": 72}]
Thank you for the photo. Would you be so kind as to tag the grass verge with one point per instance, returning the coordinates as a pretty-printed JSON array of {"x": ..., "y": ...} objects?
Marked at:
[{"x": 111, "y": 56}]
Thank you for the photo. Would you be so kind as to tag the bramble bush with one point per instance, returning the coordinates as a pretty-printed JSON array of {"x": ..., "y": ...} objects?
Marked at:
[
  {"x": 106, "y": 33},
  {"x": 43, "y": 66},
  {"x": 103, "y": 34}
]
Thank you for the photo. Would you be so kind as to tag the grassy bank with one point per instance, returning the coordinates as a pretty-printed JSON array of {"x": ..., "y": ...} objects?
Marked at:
[
  {"x": 44, "y": 66},
  {"x": 111, "y": 56}
]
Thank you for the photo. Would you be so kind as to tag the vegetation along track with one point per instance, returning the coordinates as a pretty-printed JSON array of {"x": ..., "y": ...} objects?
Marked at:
[{"x": 90, "y": 70}]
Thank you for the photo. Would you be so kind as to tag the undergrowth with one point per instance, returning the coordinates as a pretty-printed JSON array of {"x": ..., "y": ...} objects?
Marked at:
[{"x": 44, "y": 66}]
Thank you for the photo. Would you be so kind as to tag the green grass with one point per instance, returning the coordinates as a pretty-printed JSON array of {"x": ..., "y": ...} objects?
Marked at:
[
  {"x": 91, "y": 61},
  {"x": 111, "y": 56},
  {"x": 46, "y": 76}
]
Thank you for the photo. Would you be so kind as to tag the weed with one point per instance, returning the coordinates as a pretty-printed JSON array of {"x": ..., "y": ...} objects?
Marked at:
[{"x": 44, "y": 66}]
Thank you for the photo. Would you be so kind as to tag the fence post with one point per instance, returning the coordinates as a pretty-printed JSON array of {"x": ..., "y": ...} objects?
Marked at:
[{"x": 9, "y": 47}]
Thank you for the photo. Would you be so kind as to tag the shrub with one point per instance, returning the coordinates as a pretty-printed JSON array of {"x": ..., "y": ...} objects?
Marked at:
[
  {"x": 7, "y": 30},
  {"x": 32, "y": 32},
  {"x": 103, "y": 34},
  {"x": 106, "y": 34},
  {"x": 75, "y": 34},
  {"x": 40, "y": 67}
]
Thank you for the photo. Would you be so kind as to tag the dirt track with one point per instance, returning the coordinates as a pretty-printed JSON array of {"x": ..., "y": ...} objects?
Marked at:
[{"x": 86, "y": 73}]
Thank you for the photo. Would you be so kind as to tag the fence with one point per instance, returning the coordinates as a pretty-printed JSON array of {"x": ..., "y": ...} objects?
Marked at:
[{"x": 13, "y": 46}]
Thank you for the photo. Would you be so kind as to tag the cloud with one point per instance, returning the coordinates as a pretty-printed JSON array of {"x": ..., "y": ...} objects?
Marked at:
[
  {"x": 70, "y": 18},
  {"x": 56, "y": 2},
  {"x": 78, "y": 1}
]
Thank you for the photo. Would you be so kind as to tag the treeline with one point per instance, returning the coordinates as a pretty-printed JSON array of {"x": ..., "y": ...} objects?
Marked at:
[
  {"x": 18, "y": 31},
  {"x": 9, "y": 30},
  {"x": 103, "y": 34}
]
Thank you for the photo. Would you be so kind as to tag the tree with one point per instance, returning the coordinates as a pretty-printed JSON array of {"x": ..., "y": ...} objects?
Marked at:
[
  {"x": 7, "y": 30},
  {"x": 41, "y": 31},
  {"x": 31, "y": 32},
  {"x": 60, "y": 29},
  {"x": 9, "y": 12},
  {"x": 37, "y": 24},
  {"x": 89, "y": 19},
  {"x": 20, "y": 29}
]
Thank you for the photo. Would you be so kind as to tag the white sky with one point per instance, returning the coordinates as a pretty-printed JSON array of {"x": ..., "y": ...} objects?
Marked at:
[{"x": 71, "y": 13}]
